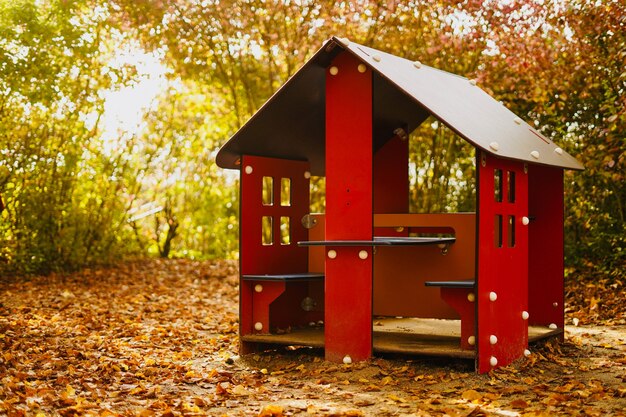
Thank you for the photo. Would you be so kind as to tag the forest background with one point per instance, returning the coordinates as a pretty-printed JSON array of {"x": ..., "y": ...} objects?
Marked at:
[{"x": 76, "y": 191}]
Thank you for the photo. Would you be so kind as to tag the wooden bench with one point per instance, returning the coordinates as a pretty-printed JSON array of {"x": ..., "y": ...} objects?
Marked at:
[{"x": 461, "y": 296}]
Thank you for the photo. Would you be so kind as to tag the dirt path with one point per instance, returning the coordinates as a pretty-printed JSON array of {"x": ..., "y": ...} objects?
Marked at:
[{"x": 159, "y": 338}]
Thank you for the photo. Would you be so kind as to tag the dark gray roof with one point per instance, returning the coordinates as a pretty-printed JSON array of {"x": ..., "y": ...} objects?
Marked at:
[{"x": 291, "y": 124}]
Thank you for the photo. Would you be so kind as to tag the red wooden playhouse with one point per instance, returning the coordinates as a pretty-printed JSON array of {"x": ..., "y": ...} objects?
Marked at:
[{"x": 362, "y": 278}]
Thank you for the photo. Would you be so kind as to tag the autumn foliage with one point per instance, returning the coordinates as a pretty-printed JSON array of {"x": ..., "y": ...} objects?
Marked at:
[
  {"x": 159, "y": 338},
  {"x": 75, "y": 194}
]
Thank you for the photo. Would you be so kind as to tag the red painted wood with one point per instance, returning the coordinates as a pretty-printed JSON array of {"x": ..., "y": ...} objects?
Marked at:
[
  {"x": 278, "y": 304},
  {"x": 391, "y": 177},
  {"x": 545, "y": 256},
  {"x": 348, "y": 298},
  {"x": 246, "y": 288},
  {"x": 457, "y": 299},
  {"x": 261, "y": 301},
  {"x": 502, "y": 270},
  {"x": 256, "y": 258}
]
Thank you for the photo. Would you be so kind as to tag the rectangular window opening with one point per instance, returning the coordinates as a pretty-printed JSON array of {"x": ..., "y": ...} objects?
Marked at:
[
  {"x": 497, "y": 185},
  {"x": 497, "y": 231},
  {"x": 285, "y": 233},
  {"x": 268, "y": 191},
  {"x": 510, "y": 179},
  {"x": 511, "y": 232},
  {"x": 285, "y": 192},
  {"x": 267, "y": 230}
]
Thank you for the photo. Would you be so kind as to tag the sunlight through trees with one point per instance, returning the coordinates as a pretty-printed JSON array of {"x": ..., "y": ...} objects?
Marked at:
[{"x": 75, "y": 194}]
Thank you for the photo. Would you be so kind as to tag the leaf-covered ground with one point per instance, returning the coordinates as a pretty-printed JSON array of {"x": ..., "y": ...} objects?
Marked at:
[{"x": 159, "y": 338}]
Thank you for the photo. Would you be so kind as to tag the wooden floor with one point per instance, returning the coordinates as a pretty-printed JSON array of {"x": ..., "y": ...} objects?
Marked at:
[{"x": 413, "y": 336}]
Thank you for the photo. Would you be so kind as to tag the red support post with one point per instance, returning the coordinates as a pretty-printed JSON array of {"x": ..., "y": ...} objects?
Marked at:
[
  {"x": 261, "y": 301},
  {"x": 502, "y": 261},
  {"x": 459, "y": 300},
  {"x": 348, "y": 297}
]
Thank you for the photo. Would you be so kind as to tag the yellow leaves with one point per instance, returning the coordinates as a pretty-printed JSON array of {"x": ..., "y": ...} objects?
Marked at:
[
  {"x": 239, "y": 390},
  {"x": 192, "y": 374},
  {"x": 395, "y": 398},
  {"x": 191, "y": 408},
  {"x": 271, "y": 410},
  {"x": 67, "y": 294},
  {"x": 386, "y": 381},
  {"x": 349, "y": 413},
  {"x": 69, "y": 391}
]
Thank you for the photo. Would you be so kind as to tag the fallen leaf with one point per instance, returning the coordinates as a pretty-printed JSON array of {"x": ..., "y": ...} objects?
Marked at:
[
  {"x": 472, "y": 395},
  {"x": 240, "y": 390},
  {"x": 271, "y": 410},
  {"x": 519, "y": 404}
]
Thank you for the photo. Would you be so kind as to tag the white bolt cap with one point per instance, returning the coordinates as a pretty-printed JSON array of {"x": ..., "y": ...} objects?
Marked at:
[
  {"x": 525, "y": 315},
  {"x": 472, "y": 82},
  {"x": 553, "y": 326},
  {"x": 334, "y": 70},
  {"x": 363, "y": 254},
  {"x": 493, "y": 296},
  {"x": 471, "y": 297},
  {"x": 493, "y": 361},
  {"x": 376, "y": 58},
  {"x": 493, "y": 339},
  {"x": 535, "y": 154},
  {"x": 362, "y": 68},
  {"x": 517, "y": 120},
  {"x": 494, "y": 146},
  {"x": 248, "y": 169},
  {"x": 258, "y": 326},
  {"x": 347, "y": 359},
  {"x": 471, "y": 340},
  {"x": 558, "y": 151},
  {"x": 417, "y": 64},
  {"x": 525, "y": 221},
  {"x": 307, "y": 174},
  {"x": 345, "y": 41},
  {"x": 526, "y": 352},
  {"x": 332, "y": 254},
  {"x": 258, "y": 288}
]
